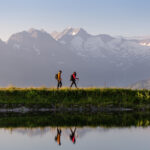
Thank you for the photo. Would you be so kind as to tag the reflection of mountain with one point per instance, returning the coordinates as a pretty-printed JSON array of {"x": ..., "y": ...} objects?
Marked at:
[
  {"x": 80, "y": 132},
  {"x": 33, "y": 57},
  {"x": 30, "y": 131}
]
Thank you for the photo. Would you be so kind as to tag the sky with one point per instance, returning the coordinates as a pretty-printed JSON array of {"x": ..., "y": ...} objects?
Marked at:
[{"x": 114, "y": 17}]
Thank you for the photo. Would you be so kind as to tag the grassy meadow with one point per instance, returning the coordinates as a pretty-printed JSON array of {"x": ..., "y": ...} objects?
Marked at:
[{"x": 42, "y": 97}]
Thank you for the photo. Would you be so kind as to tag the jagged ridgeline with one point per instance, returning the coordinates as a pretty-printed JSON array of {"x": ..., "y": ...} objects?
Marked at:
[
  {"x": 117, "y": 119},
  {"x": 33, "y": 57}
]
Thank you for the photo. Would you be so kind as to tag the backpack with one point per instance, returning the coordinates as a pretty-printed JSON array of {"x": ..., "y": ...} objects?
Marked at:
[
  {"x": 56, "y": 76},
  {"x": 71, "y": 78}
]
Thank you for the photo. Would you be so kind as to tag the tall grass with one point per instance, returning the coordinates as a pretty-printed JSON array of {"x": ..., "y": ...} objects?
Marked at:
[
  {"x": 122, "y": 119},
  {"x": 99, "y": 97}
]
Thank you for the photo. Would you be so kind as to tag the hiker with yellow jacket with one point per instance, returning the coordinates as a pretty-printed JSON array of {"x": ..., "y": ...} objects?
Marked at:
[{"x": 59, "y": 79}]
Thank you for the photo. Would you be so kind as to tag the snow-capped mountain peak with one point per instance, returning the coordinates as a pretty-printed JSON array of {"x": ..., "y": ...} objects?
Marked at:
[
  {"x": 30, "y": 56},
  {"x": 69, "y": 31},
  {"x": 145, "y": 44}
]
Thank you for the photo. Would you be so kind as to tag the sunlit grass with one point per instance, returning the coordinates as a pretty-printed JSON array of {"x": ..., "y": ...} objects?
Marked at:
[{"x": 66, "y": 97}]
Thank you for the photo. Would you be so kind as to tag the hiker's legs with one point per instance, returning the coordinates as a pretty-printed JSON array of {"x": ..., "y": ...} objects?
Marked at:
[
  {"x": 75, "y": 130},
  {"x": 57, "y": 85},
  {"x": 60, "y": 84},
  {"x": 75, "y": 84},
  {"x": 71, "y": 84},
  {"x": 59, "y": 131}
]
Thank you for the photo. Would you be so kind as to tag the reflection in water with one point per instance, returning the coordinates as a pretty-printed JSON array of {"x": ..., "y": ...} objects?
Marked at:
[
  {"x": 110, "y": 119},
  {"x": 113, "y": 131},
  {"x": 72, "y": 135},
  {"x": 57, "y": 137},
  {"x": 132, "y": 138}
]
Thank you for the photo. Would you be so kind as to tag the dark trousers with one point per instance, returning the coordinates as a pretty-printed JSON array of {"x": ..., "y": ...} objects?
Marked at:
[
  {"x": 73, "y": 82},
  {"x": 59, "y": 84}
]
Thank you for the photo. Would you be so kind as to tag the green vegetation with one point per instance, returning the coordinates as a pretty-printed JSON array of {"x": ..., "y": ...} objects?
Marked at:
[
  {"x": 122, "y": 119},
  {"x": 85, "y": 98}
]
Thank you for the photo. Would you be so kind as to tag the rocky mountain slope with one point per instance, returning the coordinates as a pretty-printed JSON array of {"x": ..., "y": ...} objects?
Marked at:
[{"x": 31, "y": 58}]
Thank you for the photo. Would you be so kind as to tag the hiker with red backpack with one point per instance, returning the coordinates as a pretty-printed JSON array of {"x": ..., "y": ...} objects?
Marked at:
[
  {"x": 73, "y": 136},
  {"x": 73, "y": 79}
]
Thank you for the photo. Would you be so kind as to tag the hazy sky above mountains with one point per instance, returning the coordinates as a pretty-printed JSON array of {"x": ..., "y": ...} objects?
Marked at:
[{"x": 115, "y": 17}]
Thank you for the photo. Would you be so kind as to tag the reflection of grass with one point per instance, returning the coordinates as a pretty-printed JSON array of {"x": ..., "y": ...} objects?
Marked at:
[
  {"x": 122, "y": 119},
  {"x": 46, "y": 97}
]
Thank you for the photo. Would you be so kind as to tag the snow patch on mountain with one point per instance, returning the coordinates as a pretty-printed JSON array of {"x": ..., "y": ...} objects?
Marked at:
[
  {"x": 105, "y": 45},
  {"x": 145, "y": 44},
  {"x": 67, "y": 32},
  {"x": 117, "y": 60}
]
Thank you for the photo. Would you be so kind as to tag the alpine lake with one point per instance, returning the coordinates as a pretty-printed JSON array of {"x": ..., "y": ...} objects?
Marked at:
[{"x": 75, "y": 131}]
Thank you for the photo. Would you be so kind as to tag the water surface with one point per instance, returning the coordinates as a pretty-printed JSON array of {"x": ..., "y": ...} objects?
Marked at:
[{"x": 87, "y": 138}]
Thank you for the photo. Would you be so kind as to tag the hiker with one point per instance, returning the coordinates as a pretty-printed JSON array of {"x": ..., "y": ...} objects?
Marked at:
[
  {"x": 58, "y": 78},
  {"x": 73, "y": 79},
  {"x": 57, "y": 137},
  {"x": 72, "y": 135}
]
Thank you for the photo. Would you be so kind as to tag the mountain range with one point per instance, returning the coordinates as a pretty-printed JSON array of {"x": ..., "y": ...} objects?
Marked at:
[
  {"x": 143, "y": 84},
  {"x": 32, "y": 58}
]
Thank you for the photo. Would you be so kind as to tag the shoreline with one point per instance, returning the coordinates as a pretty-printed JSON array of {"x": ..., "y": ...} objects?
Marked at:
[{"x": 93, "y": 109}]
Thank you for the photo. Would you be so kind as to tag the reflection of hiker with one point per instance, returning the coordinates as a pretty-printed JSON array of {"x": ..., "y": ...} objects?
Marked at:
[
  {"x": 73, "y": 79},
  {"x": 72, "y": 136},
  {"x": 57, "y": 137},
  {"x": 58, "y": 78}
]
